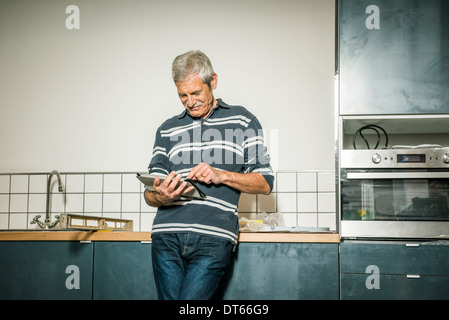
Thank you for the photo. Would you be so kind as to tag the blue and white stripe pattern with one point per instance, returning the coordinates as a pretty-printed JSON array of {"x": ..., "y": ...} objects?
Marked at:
[{"x": 229, "y": 139}]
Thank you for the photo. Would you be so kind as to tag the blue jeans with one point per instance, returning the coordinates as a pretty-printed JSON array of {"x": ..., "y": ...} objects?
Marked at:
[{"x": 189, "y": 266}]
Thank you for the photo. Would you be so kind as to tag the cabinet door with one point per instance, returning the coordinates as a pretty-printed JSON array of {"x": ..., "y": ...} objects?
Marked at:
[
  {"x": 46, "y": 270},
  {"x": 394, "y": 270},
  {"x": 396, "y": 257},
  {"x": 123, "y": 270},
  {"x": 393, "y": 57},
  {"x": 401, "y": 287},
  {"x": 288, "y": 271}
]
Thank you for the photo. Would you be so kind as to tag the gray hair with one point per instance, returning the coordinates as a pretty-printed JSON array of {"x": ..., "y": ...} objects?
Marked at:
[{"x": 191, "y": 63}]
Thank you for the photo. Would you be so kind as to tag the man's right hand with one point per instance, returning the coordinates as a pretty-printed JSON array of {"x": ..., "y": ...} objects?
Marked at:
[{"x": 167, "y": 190}]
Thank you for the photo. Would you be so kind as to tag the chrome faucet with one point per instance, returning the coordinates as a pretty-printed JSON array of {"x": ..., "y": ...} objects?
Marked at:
[{"x": 47, "y": 224}]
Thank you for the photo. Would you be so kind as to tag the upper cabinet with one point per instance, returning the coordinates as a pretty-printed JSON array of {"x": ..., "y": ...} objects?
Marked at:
[{"x": 393, "y": 57}]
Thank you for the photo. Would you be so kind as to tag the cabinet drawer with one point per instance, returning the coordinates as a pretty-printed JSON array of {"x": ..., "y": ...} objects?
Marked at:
[
  {"x": 422, "y": 258},
  {"x": 45, "y": 270},
  {"x": 123, "y": 270},
  {"x": 287, "y": 271},
  {"x": 353, "y": 286}
]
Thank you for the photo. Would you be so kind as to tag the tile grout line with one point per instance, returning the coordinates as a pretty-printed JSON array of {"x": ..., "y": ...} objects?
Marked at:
[
  {"x": 102, "y": 195},
  {"x": 317, "y": 202},
  {"x": 28, "y": 202},
  {"x": 9, "y": 202}
]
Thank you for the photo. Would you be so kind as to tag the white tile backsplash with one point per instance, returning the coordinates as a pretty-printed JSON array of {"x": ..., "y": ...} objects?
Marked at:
[
  {"x": 18, "y": 221},
  {"x": 130, "y": 183},
  {"x": 144, "y": 207},
  {"x": 131, "y": 202},
  {"x": 286, "y": 202},
  {"x": 307, "y": 219},
  {"x": 112, "y": 202},
  {"x": 289, "y": 220},
  {"x": 326, "y": 181},
  {"x": 74, "y": 183},
  {"x": 326, "y": 202},
  {"x": 93, "y": 183},
  {"x": 112, "y": 183},
  {"x": 304, "y": 198},
  {"x": 247, "y": 203},
  {"x": 266, "y": 203},
  {"x": 38, "y": 183},
  {"x": 146, "y": 220},
  {"x": 307, "y": 202},
  {"x": 4, "y": 221},
  {"x": 74, "y": 203},
  {"x": 4, "y": 203},
  {"x": 18, "y": 203},
  {"x": 286, "y": 182},
  {"x": 93, "y": 202},
  {"x": 19, "y": 183},
  {"x": 37, "y": 202},
  {"x": 57, "y": 203},
  {"x": 327, "y": 220},
  {"x": 306, "y": 181},
  {"x": 4, "y": 183}
]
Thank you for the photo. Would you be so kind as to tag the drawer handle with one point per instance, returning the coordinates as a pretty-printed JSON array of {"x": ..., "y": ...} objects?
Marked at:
[
  {"x": 412, "y": 244},
  {"x": 413, "y": 276}
]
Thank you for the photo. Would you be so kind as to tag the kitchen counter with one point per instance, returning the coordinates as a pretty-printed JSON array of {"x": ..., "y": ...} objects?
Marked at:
[
  {"x": 306, "y": 237},
  {"x": 118, "y": 265}
]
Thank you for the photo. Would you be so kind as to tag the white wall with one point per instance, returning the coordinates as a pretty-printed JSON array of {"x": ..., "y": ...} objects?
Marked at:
[{"x": 91, "y": 99}]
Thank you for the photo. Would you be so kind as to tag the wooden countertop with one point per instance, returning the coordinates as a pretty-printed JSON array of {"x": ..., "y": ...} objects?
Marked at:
[{"x": 326, "y": 237}]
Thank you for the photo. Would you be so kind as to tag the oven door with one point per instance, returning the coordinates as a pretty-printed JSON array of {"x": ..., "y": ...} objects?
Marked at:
[{"x": 394, "y": 203}]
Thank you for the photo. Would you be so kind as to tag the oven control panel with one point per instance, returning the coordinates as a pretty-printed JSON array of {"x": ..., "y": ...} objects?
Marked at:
[{"x": 395, "y": 158}]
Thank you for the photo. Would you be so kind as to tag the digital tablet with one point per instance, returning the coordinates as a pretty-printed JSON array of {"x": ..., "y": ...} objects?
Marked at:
[{"x": 148, "y": 181}]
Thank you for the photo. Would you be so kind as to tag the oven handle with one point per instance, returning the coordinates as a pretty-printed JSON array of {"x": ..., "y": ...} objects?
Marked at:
[{"x": 396, "y": 175}]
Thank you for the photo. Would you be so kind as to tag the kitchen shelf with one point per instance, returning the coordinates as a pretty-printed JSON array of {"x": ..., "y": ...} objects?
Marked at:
[
  {"x": 401, "y": 129},
  {"x": 404, "y": 124}
]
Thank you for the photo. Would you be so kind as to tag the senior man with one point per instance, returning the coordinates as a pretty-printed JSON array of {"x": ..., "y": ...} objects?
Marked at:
[{"x": 220, "y": 147}]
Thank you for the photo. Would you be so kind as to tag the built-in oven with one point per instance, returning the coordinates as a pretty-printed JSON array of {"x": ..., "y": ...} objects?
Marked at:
[{"x": 394, "y": 193}]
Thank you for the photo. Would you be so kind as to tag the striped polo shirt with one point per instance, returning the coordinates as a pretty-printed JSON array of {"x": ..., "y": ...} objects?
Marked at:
[{"x": 229, "y": 139}]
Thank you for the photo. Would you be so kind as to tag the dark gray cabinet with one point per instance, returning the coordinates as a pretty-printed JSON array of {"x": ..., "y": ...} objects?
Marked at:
[
  {"x": 259, "y": 271},
  {"x": 394, "y": 270},
  {"x": 393, "y": 56},
  {"x": 123, "y": 270},
  {"x": 395, "y": 287},
  {"x": 287, "y": 271},
  {"x": 46, "y": 270}
]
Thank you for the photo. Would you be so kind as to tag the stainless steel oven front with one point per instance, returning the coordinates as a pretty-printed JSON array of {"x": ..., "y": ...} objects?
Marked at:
[{"x": 394, "y": 193}]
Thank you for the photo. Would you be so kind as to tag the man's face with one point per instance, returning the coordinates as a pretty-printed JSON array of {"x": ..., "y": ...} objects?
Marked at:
[{"x": 196, "y": 96}]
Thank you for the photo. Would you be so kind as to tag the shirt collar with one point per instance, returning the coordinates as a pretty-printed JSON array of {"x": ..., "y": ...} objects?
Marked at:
[{"x": 220, "y": 104}]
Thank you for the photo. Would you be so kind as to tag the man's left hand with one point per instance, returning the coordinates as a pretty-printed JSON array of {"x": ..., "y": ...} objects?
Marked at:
[{"x": 207, "y": 174}]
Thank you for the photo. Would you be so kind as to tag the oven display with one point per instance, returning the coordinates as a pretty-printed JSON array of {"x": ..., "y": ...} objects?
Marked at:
[{"x": 411, "y": 158}]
